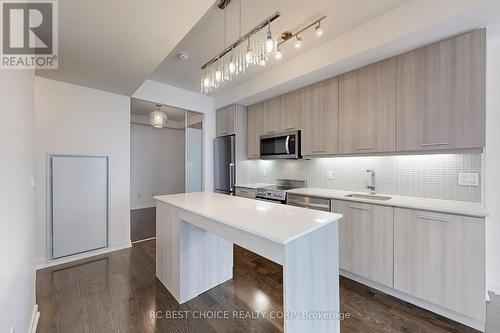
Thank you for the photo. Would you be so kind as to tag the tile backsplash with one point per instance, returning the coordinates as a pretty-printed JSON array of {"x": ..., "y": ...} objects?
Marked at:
[{"x": 429, "y": 176}]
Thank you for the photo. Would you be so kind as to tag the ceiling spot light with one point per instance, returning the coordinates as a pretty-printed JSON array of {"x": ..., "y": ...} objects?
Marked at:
[
  {"x": 298, "y": 42},
  {"x": 183, "y": 57},
  {"x": 319, "y": 30}
]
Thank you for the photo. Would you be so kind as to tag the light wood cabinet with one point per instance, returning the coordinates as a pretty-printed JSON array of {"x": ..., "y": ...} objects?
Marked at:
[
  {"x": 441, "y": 258},
  {"x": 366, "y": 240},
  {"x": 291, "y": 111},
  {"x": 226, "y": 121},
  {"x": 255, "y": 123},
  {"x": 320, "y": 118},
  {"x": 367, "y": 109},
  {"x": 271, "y": 115},
  {"x": 441, "y": 95}
]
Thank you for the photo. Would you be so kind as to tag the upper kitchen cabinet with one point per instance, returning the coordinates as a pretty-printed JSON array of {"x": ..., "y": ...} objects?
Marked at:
[
  {"x": 272, "y": 115},
  {"x": 226, "y": 120},
  {"x": 367, "y": 109},
  {"x": 441, "y": 95},
  {"x": 255, "y": 123},
  {"x": 291, "y": 111},
  {"x": 320, "y": 118}
]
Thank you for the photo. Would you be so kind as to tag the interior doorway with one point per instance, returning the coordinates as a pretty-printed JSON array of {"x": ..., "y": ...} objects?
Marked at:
[{"x": 165, "y": 160}]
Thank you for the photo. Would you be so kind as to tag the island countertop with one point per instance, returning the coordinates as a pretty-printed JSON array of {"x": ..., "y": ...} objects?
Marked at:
[{"x": 276, "y": 222}]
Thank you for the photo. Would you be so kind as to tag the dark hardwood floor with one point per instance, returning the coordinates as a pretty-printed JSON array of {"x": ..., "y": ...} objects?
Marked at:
[
  {"x": 142, "y": 224},
  {"x": 119, "y": 292}
]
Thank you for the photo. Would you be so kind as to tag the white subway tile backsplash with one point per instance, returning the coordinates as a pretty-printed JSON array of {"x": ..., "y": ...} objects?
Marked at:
[{"x": 429, "y": 176}]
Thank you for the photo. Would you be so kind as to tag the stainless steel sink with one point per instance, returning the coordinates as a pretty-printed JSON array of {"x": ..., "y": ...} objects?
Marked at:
[{"x": 369, "y": 196}]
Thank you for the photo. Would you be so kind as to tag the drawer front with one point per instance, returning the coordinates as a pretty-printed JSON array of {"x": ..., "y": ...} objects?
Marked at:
[
  {"x": 308, "y": 202},
  {"x": 246, "y": 192}
]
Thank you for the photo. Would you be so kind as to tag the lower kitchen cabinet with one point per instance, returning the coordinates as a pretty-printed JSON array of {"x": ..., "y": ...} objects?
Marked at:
[
  {"x": 366, "y": 240},
  {"x": 441, "y": 258},
  {"x": 246, "y": 192}
]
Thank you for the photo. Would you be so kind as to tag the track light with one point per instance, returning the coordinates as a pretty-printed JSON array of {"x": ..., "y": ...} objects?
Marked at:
[
  {"x": 319, "y": 30},
  {"x": 298, "y": 42}
]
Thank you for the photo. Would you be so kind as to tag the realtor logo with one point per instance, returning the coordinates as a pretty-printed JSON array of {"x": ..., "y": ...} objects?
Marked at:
[{"x": 29, "y": 34}]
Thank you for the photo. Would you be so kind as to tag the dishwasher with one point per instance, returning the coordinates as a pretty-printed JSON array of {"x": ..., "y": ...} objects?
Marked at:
[{"x": 308, "y": 202}]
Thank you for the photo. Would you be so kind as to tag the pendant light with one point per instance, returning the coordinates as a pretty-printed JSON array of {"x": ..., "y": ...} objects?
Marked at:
[
  {"x": 298, "y": 42},
  {"x": 157, "y": 118},
  {"x": 269, "y": 39}
]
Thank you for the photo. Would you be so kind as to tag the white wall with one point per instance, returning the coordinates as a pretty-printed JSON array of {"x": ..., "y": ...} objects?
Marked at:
[
  {"x": 17, "y": 275},
  {"x": 156, "y": 163},
  {"x": 165, "y": 94},
  {"x": 492, "y": 157},
  {"x": 71, "y": 119}
]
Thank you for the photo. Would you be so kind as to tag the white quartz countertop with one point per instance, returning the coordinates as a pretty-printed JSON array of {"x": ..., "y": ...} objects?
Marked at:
[
  {"x": 276, "y": 222},
  {"x": 254, "y": 185},
  {"x": 436, "y": 205}
]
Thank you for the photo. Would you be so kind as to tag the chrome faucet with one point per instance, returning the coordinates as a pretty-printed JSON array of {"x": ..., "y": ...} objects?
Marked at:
[{"x": 371, "y": 182}]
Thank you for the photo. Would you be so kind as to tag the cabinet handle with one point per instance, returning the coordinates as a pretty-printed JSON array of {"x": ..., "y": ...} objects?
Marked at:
[
  {"x": 269, "y": 132},
  {"x": 360, "y": 208},
  {"x": 364, "y": 148},
  {"x": 435, "y": 144},
  {"x": 431, "y": 218},
  {"x": 318, "y": 150},
  {"x": 289, "y": 128},
  {"x": 242, "y": 191}
]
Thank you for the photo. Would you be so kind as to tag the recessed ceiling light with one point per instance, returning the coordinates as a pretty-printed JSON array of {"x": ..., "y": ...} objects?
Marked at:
[{"x": 183, "y": 56}]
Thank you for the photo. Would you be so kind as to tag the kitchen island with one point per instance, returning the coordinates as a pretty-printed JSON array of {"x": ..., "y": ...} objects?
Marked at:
[{"x": 195, "y": 233}]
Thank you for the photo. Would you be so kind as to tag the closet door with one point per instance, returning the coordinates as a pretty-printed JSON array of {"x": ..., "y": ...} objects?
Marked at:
[{"x": 79, "y": 204}]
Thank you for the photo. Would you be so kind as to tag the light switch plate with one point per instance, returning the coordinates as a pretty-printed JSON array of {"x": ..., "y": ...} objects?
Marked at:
[
  {"x": 468, "y": 179},
  {"x": 329, "y": 175}
]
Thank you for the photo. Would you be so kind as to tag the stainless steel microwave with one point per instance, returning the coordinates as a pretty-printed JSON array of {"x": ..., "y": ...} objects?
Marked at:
[{"x": 280, "y": 145}]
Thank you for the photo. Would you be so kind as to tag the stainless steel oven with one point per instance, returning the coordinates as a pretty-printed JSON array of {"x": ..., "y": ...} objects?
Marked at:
[{"x": 280, "y": 145}]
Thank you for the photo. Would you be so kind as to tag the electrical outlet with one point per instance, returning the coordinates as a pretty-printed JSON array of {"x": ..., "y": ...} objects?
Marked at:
[
  {"x": 468, "y": 179},
  {"x": 329, "y": 175}
]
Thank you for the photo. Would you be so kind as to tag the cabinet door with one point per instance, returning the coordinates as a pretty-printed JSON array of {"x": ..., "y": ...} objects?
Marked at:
[
  {"x": 320, "y": 118},
  {"x": 441, "y": 258},
  {"x": 254, "y": 130},
  {"x": 226, "y": 121},
  {"x": 291, "y": 111},
  {"x": 366, "y": 240},
  {"x": 272, "y": 115},
  {"x": 367, "y": 109},
  {"x": 441, "y": 95}
]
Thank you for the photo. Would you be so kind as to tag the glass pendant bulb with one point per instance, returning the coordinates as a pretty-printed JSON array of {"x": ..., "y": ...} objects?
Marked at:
[
  {"x": 278, "y": 55},
  {"x": 298, "y": 42},
  {"x": 218, "y": 75},
  {"x": 232, "y": 65},
  {"x": 206, "y": 82},
  {"x": 269, "y": 41},
  {"x": 158, "y": 119},
  {"x": 249, "y": 53}
]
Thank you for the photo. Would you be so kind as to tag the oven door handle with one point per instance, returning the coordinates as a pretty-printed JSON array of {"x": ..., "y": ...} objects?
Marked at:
[{"x": 287, "y": 144}]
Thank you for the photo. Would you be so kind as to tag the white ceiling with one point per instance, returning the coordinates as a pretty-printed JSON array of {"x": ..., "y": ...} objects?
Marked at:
[
  {"x": 205, "y": 40},
  {"x": 114, "y": 45},
  {"x": 144, "y": 108}
]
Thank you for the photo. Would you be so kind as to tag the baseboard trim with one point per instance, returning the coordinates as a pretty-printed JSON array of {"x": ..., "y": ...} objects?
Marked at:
[
  {"x": 462, "y": 319},
  {"x": 143, "y": 240},
  {"x": 41, "y": 264},
  {"x": 34, "y": 319}
]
